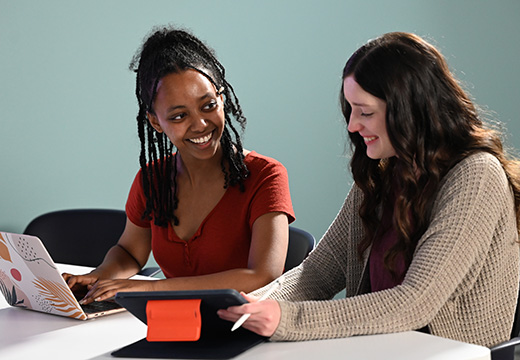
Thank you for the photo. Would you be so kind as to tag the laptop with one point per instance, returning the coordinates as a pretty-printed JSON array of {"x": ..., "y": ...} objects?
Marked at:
[{"x": 30, "y": 279}]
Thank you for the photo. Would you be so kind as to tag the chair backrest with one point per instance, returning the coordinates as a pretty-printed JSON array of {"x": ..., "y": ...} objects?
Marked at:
[
  {"x": 506, "y": 350},
  {"x": 300, "y": 245},
  {"x": 78, "y": 236},
  {"x": 516, "y": 322}
]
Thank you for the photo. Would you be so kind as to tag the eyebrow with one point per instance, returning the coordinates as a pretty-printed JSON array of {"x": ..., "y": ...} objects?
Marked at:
[
  {"x": 359, "y": 104},
  {"x": 175, "y": 107}
]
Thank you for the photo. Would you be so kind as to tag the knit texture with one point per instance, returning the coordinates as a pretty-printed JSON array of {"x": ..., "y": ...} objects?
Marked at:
[{"x": 462, "y": 282}]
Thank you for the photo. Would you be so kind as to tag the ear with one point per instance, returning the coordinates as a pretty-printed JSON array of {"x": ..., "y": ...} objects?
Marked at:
[{"x": 154, "y": 121}]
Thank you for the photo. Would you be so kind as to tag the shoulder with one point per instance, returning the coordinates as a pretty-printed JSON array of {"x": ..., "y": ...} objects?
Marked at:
[
  {"x": 480, "y": 172},
  {"x": 479, "y": 165},
  {"x": 256, "y": 162},
  {"x": 480, "y": 159},
  {"x": 266, "y": 174}
]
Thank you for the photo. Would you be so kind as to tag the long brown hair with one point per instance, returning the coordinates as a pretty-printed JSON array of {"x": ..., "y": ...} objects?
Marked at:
[{"x": 432, "y": 125}]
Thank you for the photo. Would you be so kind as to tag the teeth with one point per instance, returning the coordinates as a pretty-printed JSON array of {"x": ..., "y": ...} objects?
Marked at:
[
  {"x": 368, "y": 139},
  {"x": 201, "y": 140}
]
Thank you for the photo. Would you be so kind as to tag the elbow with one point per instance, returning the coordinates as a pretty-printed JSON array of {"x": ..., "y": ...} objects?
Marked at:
[{"x": 261, "y": 278}]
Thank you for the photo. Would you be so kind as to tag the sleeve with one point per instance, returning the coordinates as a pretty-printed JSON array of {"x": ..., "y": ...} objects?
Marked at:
[
  {"x": 270, "y": 192},
  {"x": 136, "y": 203},
  {"x": 464, "y": 217},
  {"x": 324, "y": 272}
]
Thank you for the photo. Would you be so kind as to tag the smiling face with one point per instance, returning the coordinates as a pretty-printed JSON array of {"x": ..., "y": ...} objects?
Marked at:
[
  {"x": 189, "y": 111},
  {"x": 368, "y": 119}
]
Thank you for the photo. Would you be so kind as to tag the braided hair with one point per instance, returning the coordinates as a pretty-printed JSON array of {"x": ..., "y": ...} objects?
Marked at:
[{"x": 168, "y": 50}]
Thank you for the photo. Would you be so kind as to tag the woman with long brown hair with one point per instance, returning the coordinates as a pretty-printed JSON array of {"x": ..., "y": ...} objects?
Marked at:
[{"x": 427, "y": 238}]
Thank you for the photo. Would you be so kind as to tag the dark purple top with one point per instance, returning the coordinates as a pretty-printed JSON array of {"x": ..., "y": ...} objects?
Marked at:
[{"x": 380, "y": 277}]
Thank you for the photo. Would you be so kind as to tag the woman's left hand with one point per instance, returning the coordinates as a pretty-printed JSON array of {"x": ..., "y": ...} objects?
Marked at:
[
  {"x": 105, "y": 289},
  {"x": 264, "y": 319}
]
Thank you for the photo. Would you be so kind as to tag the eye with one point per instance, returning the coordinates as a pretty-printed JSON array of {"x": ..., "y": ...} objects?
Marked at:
[
  {"x": 210, "y": 106},
  {"x": 367, "y": 114},
  {"x": 177, "y": 117}
]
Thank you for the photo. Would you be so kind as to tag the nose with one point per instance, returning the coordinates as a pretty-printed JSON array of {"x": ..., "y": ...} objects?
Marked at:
[
  {"x": 199, "y": 124},
  {"x": 354, "y": 125}
]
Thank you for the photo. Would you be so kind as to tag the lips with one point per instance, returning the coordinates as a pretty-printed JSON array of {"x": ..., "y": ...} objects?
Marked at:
[
  {"x": 369, "y": 139},
  {"x": 202, "y": 139}
]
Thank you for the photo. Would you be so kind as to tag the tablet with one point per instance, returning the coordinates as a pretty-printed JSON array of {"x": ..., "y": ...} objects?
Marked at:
[
  {"x": 217, "y": 341},
  {"x": 211, "y": 301}
]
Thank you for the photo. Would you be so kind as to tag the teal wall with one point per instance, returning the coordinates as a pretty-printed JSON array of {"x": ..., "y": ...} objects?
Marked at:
[{"x": 68, "y": 135}]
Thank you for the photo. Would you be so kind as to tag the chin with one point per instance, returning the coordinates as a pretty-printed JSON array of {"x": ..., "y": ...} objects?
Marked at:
[{"x": 374, "y": 157}]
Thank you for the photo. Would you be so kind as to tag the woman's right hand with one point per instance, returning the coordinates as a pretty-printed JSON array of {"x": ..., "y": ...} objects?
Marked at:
[
  {"x": 264, "y": 319},
  {"x": 85, "y": 279},
  {"x": 80, "y": 284}
]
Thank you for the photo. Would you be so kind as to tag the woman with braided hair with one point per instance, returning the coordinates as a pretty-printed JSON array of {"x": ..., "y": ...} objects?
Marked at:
[
  {"x": 214, "y": 214},
  {"x": 427, "y": 238}
]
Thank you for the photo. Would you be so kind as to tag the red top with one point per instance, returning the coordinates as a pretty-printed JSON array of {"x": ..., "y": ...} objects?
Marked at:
[{"x": 223, "y": 239}]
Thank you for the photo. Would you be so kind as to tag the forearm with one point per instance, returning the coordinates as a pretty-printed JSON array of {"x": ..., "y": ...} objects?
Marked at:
[
  {"x": 117, "y": 264},
  {"x": 360, "y": 315},
  {"x": 332, "y": 266},
  {"x": 306, "y": 281},
  {"x": 245, "y": 280}
]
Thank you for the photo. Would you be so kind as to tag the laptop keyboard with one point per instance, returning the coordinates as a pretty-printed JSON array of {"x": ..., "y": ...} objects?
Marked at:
[{"x": 98, "y": 306}]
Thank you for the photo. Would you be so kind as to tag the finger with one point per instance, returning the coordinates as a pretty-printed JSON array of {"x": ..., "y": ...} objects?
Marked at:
[
  {"x": 261, "y": 325},
  {"x": 105, "y": 295},
  {"x": 80, "y": 280},
  {"x": 250, "y": 298},
  {"x": 228, "y": 316},
  {"x": 104, "y": 290},
  {"x": 92, "y": 295},
  {"x": 249, "y": 308},
  {"x": 92, "y": 288},
  {"x": 86, "y": 300},
  {"x": 239, "y": 309},
  {"x": 71, "y": 280}
]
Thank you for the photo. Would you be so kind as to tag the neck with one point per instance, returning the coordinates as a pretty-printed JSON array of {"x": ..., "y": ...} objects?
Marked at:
[{"x": 196, "y": 172}]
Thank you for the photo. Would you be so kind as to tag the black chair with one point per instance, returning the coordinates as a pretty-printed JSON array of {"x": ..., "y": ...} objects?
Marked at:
[
  {"x": 300, "y": 245},
  {"x": 80, "y": 236},
  {"x": 506, "y": 350}
]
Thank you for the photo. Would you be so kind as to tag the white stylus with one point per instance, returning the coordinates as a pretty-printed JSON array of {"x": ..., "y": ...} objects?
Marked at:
[{"x": 276, "y": 285}]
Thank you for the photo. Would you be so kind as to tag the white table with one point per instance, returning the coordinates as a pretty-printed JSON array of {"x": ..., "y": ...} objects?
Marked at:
[{"x": 27, "y": 335}]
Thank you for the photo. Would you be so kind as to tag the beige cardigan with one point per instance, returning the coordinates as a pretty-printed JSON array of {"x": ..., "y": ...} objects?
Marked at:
[{"x": 462, "y": 283}]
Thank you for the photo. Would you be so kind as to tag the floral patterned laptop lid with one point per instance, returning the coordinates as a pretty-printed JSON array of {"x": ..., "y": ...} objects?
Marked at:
[{"x": 30, "y": 279}]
